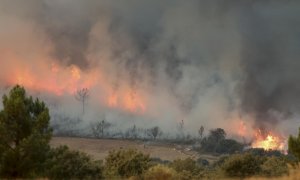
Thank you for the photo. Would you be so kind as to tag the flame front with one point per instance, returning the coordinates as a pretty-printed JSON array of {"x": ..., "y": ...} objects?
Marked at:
[
  {"x": 128, "y": 100},
  {"x": 268, "y": 141}
]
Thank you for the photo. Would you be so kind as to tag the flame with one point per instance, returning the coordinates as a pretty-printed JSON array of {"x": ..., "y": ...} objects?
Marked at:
[
  {"x": 59, "y": 82},
  {"x": 269, "y": 141},
  {"x": 128, "y": 100},
  {"x": 242, "y": 129}
]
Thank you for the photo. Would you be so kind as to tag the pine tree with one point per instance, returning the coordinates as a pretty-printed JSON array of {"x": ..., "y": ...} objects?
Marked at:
[{"x": 24, "y": 135}]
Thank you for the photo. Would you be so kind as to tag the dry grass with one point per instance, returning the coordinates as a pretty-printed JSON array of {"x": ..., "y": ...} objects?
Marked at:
[
  {"x": 99, "y": 148},
  {"x": 294, "y": 174}
]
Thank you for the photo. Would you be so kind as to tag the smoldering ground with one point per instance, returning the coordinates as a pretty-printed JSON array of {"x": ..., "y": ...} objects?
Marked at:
[{"x": 211, "y": 63}]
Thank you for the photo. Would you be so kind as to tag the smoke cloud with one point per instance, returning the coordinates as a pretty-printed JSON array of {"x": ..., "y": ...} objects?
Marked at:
[{"x": 211, "y": 63}]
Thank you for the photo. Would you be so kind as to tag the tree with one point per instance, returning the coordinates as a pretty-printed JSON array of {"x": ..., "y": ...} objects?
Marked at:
[
  {"x": 294, "y": 145},
  {"x": 132, "y": 132},
  {"x": 180, "y": 128},
  {"x": 81, "y": 96},
  {"x": 201, "y": 131},
  {"x": 217, "y": 134},
  {"x": 24, "y": 135},
  {"x": 154, "y": 132},
  {"x": 99, "y": 127},
  {"x": 214, "y": 139}
]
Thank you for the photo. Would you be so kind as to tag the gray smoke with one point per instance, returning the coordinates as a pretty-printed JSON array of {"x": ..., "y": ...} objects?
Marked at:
[{"x": 206, "y": 62}]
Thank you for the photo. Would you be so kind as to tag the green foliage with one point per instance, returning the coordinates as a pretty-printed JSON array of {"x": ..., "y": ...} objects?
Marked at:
[
  {"x": 274, "y": 166},
  {"x": 294, "y": 145},
  {"x": 263, "y": 152},
  {"x": 66, "y": 164},
  {"x": 216, "y": 143},
  {"x": 24, "y": 135},
  {"x": 187, "y": 168},
  {"x": 126, "y": 163},
  {"x": 160, "y": 172},
  {"x": 242, "y": 165},
  {"x": 228, "y": 146}
]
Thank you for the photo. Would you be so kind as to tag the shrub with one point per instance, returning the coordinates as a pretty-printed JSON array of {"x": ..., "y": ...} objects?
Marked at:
[
  {"x": 186, "y": 168},
  {"x": 126, "y": 163},
  {"x": 66, "y": 164},
  {"x": 160, "y": 172},
  {"x": 228, "y": 146},
  {"x": 216, "y": 143},
  {"x": 242, "y": 165},
  {"x": 294, "y": 145},
  {"x": 274, "y": 166}
]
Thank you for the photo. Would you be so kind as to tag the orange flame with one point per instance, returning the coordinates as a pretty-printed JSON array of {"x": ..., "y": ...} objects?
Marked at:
[
  {"x": 268, "y": 141},
  {"x": 128, "y": 100}
]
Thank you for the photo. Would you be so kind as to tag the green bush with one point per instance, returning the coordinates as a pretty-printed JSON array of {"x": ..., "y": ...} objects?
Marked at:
[
  {"x": 67, "y": 164},
  {"x": 187, "y": 168},
  {"x": 294, "y": 145},
  {"x": 216, "y": 142},
  {"x": 242, "y": 165},
  {"x": 160, "y": 172},
  {"x": 274, "y": 166},
  {"x": 228, "y": 146},
  {"x": 126, "y": 163}
]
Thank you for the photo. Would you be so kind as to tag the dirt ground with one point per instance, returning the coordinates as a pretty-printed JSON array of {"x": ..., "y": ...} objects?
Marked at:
[{"x": 99, "y": 148}]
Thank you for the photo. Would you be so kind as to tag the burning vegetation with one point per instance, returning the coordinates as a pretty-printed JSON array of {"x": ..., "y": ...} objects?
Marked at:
[{"x": 268, "y": 141}]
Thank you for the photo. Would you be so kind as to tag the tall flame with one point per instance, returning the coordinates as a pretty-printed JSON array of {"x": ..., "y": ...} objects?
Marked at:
[{"x": 270, "y": 141}]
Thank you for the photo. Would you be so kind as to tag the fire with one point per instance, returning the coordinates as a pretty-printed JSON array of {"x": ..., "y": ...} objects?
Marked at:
[
  {"x": 128, "y": 100},
  {"x": 268, "y": 141},
  {"x": 242, "y": 129},
  {"x": 42, "y": 74}
]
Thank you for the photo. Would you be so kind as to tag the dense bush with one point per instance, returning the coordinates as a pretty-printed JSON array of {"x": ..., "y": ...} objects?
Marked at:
[
  {"x": 274, "y": 166},
  {"x": 187, "y": 168},
  {"x": 216, "y": 142},
  {"x": 228, "y": 146},
  {"x": 294, "y": 145},
  {"x": 262, "y": 152},
  {"x": 67, "y": 164},
  {"x": 241, "y": 165},
  {"x": 160, "y": 172},
  {"x": 126, "y": 163}
]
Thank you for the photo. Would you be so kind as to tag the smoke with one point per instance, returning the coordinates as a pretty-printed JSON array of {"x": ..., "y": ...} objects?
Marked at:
[{"x": 211, "y": 63}]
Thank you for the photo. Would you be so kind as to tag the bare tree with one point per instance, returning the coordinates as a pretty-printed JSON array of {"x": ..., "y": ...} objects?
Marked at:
[
  {"x": 181, "y": 129},
  {"x": 99, "y": 128},
  {"x": 201, "y": 131},
  {"x": 154, "y": 132},
  {"x": 81, "y": 96}
]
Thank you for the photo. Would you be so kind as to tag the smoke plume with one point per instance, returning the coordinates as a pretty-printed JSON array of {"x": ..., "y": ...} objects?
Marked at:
[{"x": 211, "y": 63}]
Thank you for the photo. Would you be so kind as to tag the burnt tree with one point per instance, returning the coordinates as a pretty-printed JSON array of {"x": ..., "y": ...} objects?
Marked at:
[{"x": 82, "y": 96}]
